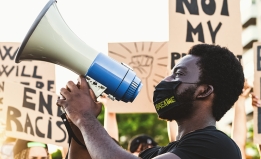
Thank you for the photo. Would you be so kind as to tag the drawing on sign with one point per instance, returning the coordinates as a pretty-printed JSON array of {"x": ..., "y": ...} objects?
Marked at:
[{"x": 146, "y": 59}]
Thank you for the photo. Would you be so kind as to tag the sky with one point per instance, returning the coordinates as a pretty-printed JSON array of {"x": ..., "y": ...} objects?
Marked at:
[{"x": 95, "y": 22}]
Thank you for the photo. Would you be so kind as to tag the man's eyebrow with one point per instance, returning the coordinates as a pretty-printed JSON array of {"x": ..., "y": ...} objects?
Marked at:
[{"x": 179, "y": 67}]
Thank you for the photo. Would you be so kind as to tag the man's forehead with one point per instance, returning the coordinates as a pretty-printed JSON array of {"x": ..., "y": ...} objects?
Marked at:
[{"x": 186, "y": 61}]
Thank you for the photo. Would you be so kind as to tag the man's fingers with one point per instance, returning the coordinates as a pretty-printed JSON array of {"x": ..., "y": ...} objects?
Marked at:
[
  {"x": 82, "y": 83},
  {"x": 71, "y": 86},
  {"x": 255, "y": 100},
  {"x": 64, "y": 93},
  {"x": 61, "y": 103}
]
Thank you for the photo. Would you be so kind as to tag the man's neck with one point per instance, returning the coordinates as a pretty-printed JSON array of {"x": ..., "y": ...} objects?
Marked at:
[{"x": 195, "y": 123}]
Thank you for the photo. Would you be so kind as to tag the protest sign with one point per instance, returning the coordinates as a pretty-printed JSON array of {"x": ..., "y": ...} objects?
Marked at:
[
  {"x": 194, "y": 21},
  {"x": 32, "y": 114},
  {"x": 36, "y": 74},
  {"x": 149, "y": 62},
  {"x": 256, "y": 88}
]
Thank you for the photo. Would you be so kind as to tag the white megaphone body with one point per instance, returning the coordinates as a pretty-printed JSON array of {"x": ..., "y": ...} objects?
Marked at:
[{"x": 50, "y": 39}]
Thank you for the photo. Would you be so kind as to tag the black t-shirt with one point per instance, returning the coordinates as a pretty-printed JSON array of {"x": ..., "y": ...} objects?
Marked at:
[{"x": 207, "y": 143}]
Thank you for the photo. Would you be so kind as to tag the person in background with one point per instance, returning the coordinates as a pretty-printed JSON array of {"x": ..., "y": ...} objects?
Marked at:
[
  {"x": 140, "y": 143},
  {"x": 239, "y": 128},
  {"x": 204, "y": 85},
  {"x": 30, "y": 150},
  {"x": 7, "y": 148}
]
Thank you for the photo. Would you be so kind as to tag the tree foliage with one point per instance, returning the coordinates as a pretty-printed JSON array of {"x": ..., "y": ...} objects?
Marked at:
[{"x": 130, "y": 125}]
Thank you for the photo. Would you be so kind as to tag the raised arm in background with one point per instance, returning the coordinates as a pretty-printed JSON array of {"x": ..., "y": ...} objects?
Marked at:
[
  {"x": 239, "y": 129},
  {"x": 172, "y": 130}
]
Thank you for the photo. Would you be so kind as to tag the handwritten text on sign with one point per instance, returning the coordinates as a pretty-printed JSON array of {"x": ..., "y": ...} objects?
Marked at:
[
  {"x": 30, "y": 73},
  {"x": 32, "y": 114},
  {"x": 200, "y": 21}
]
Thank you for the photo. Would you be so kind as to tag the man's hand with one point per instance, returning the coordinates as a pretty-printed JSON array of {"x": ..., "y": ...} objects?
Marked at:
[
  {"x": 79, "y": 100},
  {"x": 255, "y": 100}
]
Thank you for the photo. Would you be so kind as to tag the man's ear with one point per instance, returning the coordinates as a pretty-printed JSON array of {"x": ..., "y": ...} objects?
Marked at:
[{"x": 207, "y": 90}]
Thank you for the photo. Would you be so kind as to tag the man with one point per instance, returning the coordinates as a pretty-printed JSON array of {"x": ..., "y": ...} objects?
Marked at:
[{"x": 204, "y": 85}]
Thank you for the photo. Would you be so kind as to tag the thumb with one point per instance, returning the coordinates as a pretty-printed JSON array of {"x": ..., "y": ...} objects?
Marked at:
[
  {"x": 99, "y": 105},
  {"x": 92, "y": 95},
  {"x": 99, "y": 108}
]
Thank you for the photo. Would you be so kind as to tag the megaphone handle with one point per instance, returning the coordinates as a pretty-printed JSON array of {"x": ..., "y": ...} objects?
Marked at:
[
  {"x": 96, "y": 87},
  {"x": 70, "y": 133}
]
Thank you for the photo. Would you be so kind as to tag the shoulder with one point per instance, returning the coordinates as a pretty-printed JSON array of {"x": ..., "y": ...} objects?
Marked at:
[
  {"x": 157, "y": 150},
  {"x": 207, "y": 142},
  {"x": 203, "y": 143},
  {"x": 208, "y": 135},
  {"x": 149, "y": 153}
]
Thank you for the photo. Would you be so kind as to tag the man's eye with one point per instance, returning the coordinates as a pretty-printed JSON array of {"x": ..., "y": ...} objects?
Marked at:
[{"x": 178, "y": 73}]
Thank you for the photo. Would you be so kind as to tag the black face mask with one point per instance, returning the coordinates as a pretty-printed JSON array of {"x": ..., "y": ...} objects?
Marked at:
[{"x": 165, "y": 97}]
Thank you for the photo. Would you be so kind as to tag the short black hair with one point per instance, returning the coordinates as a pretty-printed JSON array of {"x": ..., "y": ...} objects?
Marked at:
[{"x": 220, "y": 68}]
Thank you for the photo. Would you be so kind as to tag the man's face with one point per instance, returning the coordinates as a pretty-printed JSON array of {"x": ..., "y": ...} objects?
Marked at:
[
  {"x": 188, "y": 71},
  {"x": 37, "y": 153}
]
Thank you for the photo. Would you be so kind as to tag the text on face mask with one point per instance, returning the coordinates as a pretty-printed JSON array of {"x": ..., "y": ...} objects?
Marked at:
[{"x": 165, "y": 103}]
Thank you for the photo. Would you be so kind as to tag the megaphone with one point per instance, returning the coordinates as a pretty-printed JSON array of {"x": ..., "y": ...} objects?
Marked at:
[{"x": 50, "y": 39}]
